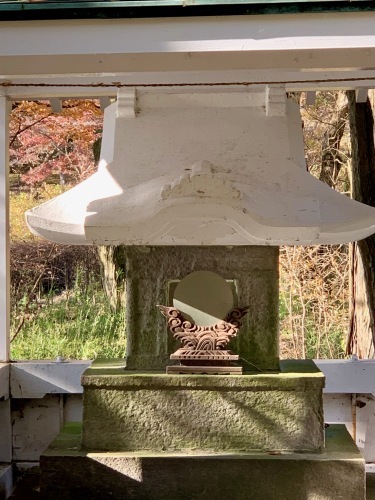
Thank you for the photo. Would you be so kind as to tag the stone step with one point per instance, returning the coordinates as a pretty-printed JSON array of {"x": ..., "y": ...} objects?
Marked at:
[{"x": 68, "y": 472}]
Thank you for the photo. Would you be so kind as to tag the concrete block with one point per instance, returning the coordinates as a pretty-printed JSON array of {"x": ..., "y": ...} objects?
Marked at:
[
  {"x": 338, "y": 473},
  {"x": 126, "y": 411}
]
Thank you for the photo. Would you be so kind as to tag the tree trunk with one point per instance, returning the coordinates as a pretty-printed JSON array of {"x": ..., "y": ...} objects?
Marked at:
[
  {"x": 331, "y": 156},
  {"x": 113, "y": 272},
  {"x": 361, "y": 336},
  {"x": 112, "y": 260}
]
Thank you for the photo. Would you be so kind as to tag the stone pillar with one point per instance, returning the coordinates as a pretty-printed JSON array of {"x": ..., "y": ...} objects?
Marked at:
[{"x": 151, "y": 274}]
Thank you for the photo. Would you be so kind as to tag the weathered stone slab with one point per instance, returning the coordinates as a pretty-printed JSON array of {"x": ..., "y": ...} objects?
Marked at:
[
  {"x": 150, "y": 271},
  {"x": 126, "y": 411},
  {"x": 336, "y": 474}
]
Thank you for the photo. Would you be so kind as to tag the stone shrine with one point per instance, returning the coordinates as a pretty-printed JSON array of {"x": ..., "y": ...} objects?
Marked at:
[{"x": 209, "y": 181}]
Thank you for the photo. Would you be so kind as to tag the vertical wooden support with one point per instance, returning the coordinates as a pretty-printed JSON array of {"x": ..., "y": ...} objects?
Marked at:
[
  {"x": 5, "y": 419},
  {"x": 4, "y": 231},
  {"x": 5, "y": 424},
  {"x": 56, "y": 105},
  {"x": 310, "y": 98},
  {"x": 361, "y": 95}
]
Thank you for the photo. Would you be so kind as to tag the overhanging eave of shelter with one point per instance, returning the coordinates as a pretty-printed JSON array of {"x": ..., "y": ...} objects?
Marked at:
[{"x": 306, "y": 51}]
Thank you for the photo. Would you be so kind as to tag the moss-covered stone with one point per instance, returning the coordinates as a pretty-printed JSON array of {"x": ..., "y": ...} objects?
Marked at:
[
  {"x": 149, "y": 270},
  {"x": 270, "y": 411},
  {"x": 338, "y": 473}
]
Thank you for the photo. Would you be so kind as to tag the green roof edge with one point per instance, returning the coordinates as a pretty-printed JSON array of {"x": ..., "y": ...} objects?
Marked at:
[{"x": 16, "y": 11}]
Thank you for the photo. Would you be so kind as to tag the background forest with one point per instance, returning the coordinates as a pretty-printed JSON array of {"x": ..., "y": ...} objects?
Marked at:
[{"x": 68, "y": 301}]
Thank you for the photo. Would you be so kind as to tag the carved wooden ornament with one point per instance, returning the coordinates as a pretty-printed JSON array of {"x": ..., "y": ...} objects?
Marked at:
[
  {"x": 203, "y": 338},
  {"x": 203, "y": 346}
]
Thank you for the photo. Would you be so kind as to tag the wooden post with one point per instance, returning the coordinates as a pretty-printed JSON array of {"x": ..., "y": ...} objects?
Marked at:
[{"x": 4, "y": 231}]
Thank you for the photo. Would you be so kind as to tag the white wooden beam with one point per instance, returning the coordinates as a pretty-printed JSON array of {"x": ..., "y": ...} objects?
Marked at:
[
  {"x": 95, "y": 86},
  {"x": 196, "y": 34},
  {"x": 35, "y": 379},
  {"x": 361, "y": 94},
  {"x": 4, "y": 231},
  {"x": 345, "y": 40},
  {"x": 5, "y": 420},
  {"x": 56, "y": 105},
  {"x": 346, "y": 376}
]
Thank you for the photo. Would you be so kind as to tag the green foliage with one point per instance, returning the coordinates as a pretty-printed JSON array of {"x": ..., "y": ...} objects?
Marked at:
[
  {"x": 78, "y": 324},
  {"x": 58, "y": 305},
  {"x": 314, "y": 281},
  {"x": 314, "y": 301},
  {"x": 324, "y": 341}
]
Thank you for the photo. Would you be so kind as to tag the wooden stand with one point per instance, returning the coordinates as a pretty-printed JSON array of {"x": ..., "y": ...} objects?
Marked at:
[
  {"x": 213, "y": 362},
  {"x": 205, "y": 370}
]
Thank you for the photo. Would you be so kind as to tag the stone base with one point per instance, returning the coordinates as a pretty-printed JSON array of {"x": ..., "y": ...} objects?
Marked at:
[
  {"x": 126, "y": 411},
  {"x": 336, "y": 474}
]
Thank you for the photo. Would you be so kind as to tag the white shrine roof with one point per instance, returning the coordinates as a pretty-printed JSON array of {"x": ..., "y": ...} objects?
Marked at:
[{"x": 202, "y": 168}]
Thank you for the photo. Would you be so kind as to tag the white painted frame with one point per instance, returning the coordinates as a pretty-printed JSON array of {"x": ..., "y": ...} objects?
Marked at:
[
  {"x": 4, "y": 231},
  {"x": 255, "y": 49},
  {"x": 307, "y": 51},
  {"x": 293, "y": 41}
]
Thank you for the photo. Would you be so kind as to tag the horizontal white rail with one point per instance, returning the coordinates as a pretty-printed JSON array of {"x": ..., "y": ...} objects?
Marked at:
[{"x": 35, "y": 379}]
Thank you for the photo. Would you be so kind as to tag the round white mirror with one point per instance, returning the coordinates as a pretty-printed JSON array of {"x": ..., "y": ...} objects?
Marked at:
[{"x": 204, "y": 297}]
